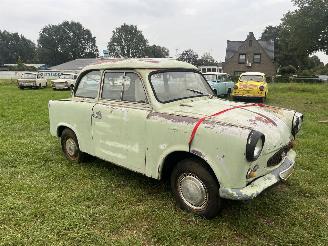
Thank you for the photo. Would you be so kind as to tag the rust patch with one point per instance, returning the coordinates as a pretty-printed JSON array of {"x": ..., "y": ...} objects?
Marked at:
[
  {"x": 173, "y": 118},
  {"x": 198, "y": 153}
]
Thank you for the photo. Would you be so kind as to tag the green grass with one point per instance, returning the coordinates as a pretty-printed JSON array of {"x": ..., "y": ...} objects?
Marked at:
[{"x": 44, "y": 199}]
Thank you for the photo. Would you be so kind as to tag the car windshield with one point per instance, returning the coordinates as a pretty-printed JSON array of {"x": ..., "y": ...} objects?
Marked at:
[
  {"x": 210, "y": 77},
  {"x": 28, "y": 76},
  {"x": 170, "y": 86},
  {"x": 67, "y": 76},
  {"x": 223, "y": 77},
  {"x": 257, "y": 78}
]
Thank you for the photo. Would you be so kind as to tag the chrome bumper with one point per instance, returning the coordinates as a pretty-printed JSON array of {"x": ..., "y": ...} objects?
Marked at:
[{"x": 257, "y": 186}]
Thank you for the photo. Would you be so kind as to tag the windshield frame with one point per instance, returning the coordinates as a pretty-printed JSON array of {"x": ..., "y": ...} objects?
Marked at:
[{"x": 211, "y": 94}]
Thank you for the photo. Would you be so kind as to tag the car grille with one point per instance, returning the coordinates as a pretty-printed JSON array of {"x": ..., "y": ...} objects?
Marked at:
[{"x": 278, "y": 156}]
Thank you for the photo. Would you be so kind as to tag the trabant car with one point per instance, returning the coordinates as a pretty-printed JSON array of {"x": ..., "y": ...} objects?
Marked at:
[
  {"x": 159, "y": 117},
  {"x": 251, "y": 85},
  {"x": 31, "y": 80},
  {"x": 220, "y": 83},
  {"x": 65, "y": 81}
]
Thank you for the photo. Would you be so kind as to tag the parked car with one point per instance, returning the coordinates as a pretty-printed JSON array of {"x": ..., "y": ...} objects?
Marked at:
[
  {"x": 159, "y": 117},
  {"x": 65, "y": 81},
  {"x": 220, "y": 83},
  {"x": 31, "y": 80},
  {"x": 251, "y": 85}
]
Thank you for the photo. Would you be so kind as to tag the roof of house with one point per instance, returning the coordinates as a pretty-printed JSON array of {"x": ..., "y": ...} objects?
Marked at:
[
  {"x": 75, "y": 65},
  {"x": 233, "y": 46},
  {"x": 135, "y": 63}
]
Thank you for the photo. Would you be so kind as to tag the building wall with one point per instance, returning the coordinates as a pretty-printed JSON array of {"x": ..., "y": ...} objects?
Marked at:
[{"x": 233, "y": 67}]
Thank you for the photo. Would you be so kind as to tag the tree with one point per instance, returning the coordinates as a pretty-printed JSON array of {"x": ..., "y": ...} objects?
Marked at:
[
  {"x": 189, "y": 56},
  {"x": 64, "y": 42},
  {"x": 13, "y": 46},
  {"x": 156, "y": 51},
  {"x": 128, "y": 42},
  {"x": 207, "y": 60}
]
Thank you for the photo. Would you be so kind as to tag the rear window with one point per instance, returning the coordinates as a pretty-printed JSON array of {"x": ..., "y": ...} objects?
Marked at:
[{"x": 256, "y": 78}]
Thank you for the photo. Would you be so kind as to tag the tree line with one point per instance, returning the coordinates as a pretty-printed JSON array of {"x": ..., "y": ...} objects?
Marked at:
[
  {"x": 70, "y": 40},
  {"x": 301, "y": 33}
]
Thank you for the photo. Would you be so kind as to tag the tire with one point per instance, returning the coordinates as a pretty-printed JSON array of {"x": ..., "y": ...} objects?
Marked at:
[
  {"x": 21, "y": 87},
  {"x": 215, "y": 92},
  {"x": 70, "y": 146},
  {"x": 195, "y": 188}
]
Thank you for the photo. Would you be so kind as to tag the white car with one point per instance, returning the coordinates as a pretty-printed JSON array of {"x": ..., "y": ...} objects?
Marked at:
[
  {"x": 31, "y": 80},
  {"x": 65, "y": 81}
]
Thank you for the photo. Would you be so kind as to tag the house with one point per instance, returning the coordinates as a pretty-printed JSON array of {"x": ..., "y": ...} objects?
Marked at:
[{"x": 250, "y": 55}]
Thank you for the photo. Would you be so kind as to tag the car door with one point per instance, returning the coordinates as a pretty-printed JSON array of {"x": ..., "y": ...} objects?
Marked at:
[
  {"x": 85, "y": 97},
  {"x": 119, "y": 120}
]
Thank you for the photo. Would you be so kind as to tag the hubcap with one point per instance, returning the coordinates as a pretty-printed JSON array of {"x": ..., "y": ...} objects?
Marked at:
[
  {"x": 71, "y": 147},
  {"x": 192, "y": 190}
]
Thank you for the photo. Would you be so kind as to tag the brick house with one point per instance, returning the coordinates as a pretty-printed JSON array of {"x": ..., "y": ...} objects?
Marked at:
[{"x": 250, "y": 55}]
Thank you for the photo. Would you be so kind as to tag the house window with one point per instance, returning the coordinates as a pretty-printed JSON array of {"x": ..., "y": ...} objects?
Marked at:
[
  {"x": 250, "y": 43},
  {"x": 257, "y": 58},
  {"x": 242, "y": 59},
  {"x": 203, "y": 70}
]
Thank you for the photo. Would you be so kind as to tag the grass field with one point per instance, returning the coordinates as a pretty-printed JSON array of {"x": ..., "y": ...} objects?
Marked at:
[{"x": 44, "y": 199}]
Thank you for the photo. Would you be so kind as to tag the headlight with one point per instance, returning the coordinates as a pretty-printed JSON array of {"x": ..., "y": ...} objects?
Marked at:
[
  {"x": 297, "y": 123},
  {"x": 254, "y": 146}
]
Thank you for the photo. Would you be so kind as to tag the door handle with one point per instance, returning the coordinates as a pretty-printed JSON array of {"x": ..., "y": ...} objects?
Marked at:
[{"x": 97, "y": 115}]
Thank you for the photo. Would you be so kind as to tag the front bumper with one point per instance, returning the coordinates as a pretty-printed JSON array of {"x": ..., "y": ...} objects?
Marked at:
[
  {"x": 26, "y": 84},
  {"x": 257, "y": 186},
  {"x": 60, "y": 86}
]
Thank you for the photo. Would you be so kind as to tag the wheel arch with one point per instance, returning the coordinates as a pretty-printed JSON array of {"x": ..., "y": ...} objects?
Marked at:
[{"x": 173, "y": 158}]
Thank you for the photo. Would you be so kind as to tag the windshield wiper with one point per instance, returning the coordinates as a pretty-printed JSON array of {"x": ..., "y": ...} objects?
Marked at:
[{"x": 196, "y": 91}]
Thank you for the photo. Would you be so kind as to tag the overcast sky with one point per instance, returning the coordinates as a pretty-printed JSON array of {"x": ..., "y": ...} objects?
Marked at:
[{"x": 202, "y": 25}]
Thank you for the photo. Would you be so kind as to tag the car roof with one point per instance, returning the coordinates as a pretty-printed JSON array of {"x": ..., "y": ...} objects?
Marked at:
[
  {"x": 216, "y": 73},
  {"x": 253, "y": 73},
  {"x": 135, "y": 63}
]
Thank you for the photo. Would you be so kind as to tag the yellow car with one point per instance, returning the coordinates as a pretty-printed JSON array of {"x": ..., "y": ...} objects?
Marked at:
[{"x": 251, "y": 85}]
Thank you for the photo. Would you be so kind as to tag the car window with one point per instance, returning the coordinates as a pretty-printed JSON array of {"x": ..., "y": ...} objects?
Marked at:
[
  {"x": 170, "y": 86},
  {"x": 123, "y": 86},
  {"x": 256, "y": 78},
  {"x": 210, "y": 77},
  {"x": 89, "y": 84}
]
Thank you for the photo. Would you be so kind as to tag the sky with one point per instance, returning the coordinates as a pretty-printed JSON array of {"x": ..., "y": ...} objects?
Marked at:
[{"x": 201, "y": 25}]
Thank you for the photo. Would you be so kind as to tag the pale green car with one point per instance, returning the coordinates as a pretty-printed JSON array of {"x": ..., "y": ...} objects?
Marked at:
[{"x": 159, "y": 117}]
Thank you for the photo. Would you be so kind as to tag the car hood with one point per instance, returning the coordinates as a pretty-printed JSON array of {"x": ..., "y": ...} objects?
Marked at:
[
  {"x": 275, "y": 123},
  {"x": 26, "y": 80}
]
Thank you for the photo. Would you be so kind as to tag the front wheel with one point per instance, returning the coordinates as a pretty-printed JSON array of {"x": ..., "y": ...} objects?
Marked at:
[
  {"x": 195, "y": 188},
  {"x": 70, "y": 146}
]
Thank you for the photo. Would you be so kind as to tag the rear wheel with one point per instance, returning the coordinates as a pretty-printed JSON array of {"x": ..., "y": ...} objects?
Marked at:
[
  {"x": 195, "y": 188},
  {"x": 215, "y": 92},
  {"x": 70, "y": 146}
]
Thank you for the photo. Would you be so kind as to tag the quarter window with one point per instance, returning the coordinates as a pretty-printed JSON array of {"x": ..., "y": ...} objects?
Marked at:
[
  {"x": 123, "y": 86},
  {"x": 89, "y": 84},
  {"x": 242, "y": 58}
]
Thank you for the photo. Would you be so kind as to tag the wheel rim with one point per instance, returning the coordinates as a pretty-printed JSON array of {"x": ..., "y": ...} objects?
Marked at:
[
  {"x": 71, "y": 147},
  {"x": 192, "y": 191}
]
